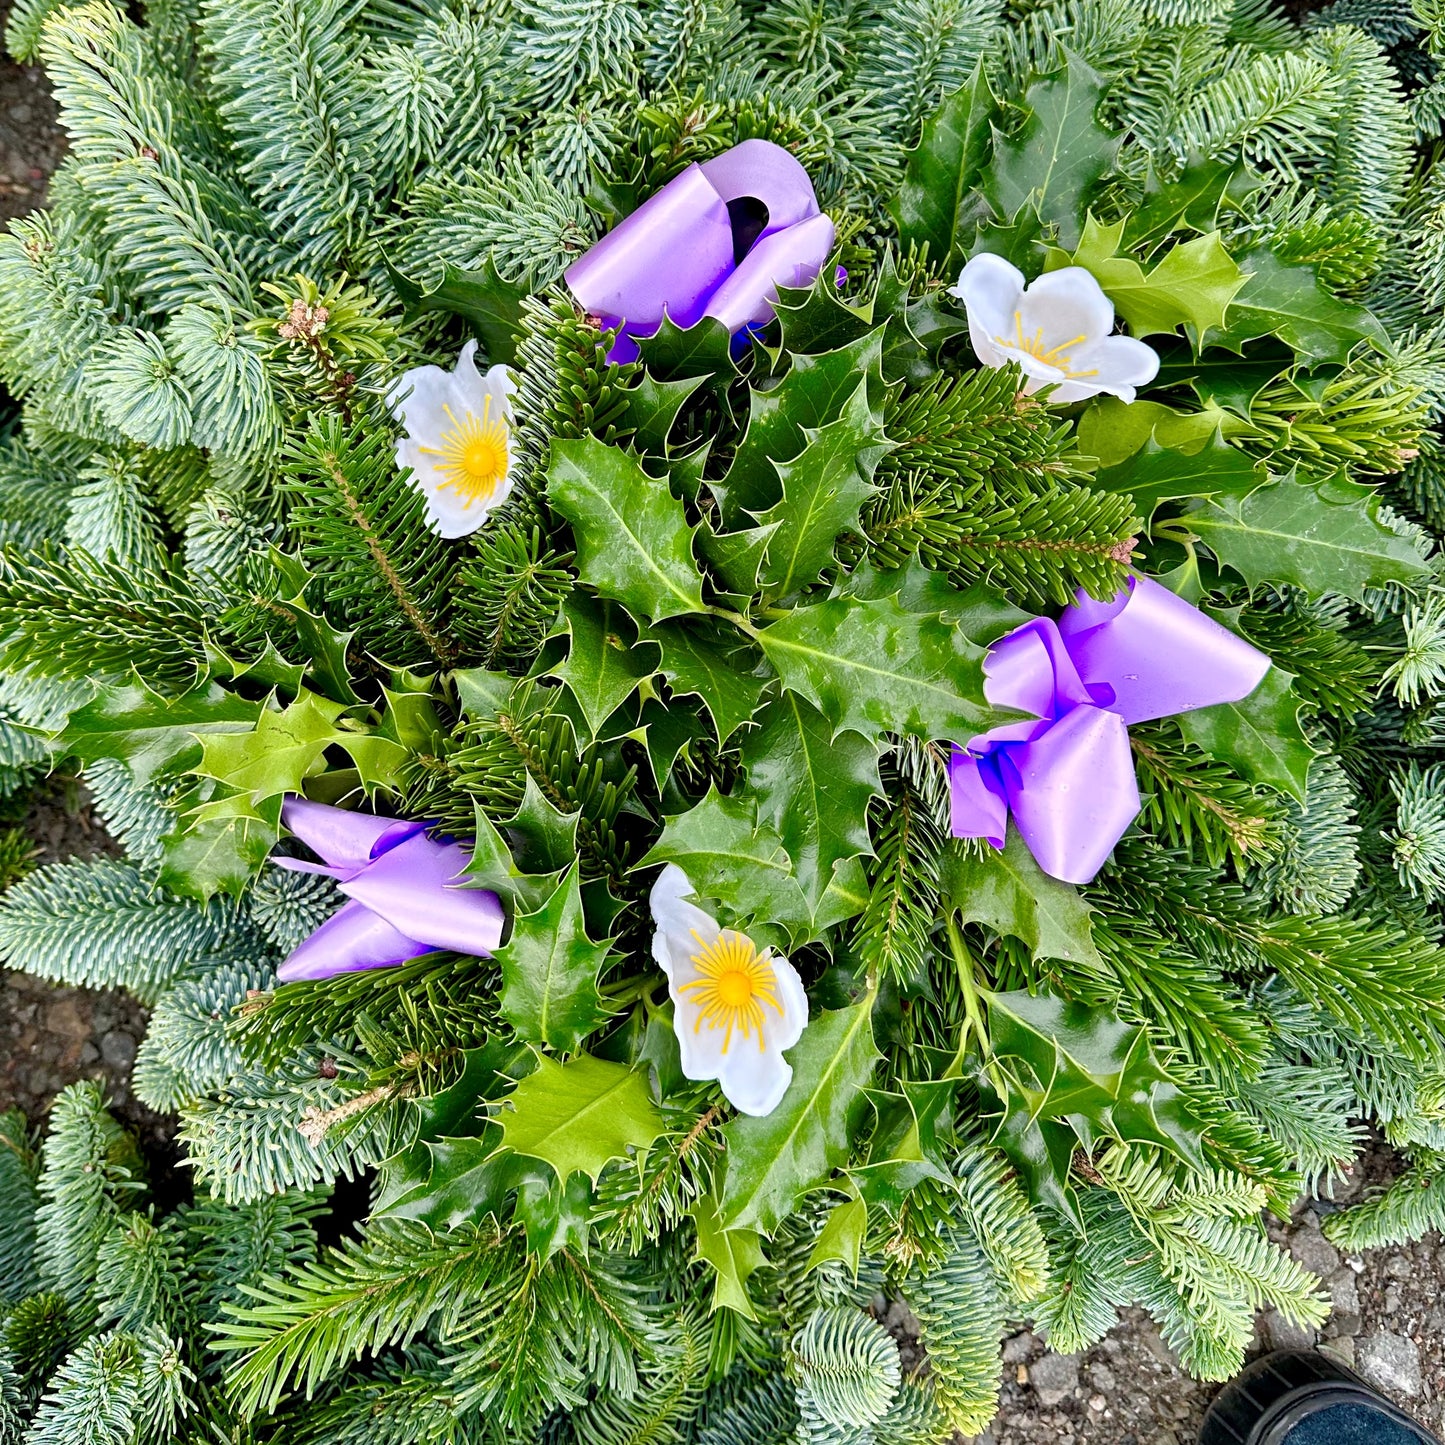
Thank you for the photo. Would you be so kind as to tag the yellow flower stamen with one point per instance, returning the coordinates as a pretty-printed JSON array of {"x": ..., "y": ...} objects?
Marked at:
[
  {"x": 1055, "y": 356},
  {"x": 473, "y": 454},
  {"x": 735, "y": 981}
]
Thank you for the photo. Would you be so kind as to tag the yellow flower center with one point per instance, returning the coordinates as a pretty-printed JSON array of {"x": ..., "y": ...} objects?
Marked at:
[
  {"x": 734, "y": 982},
  {"x": 473, "y": 455},
  {"x": 1055, "y": 356}
]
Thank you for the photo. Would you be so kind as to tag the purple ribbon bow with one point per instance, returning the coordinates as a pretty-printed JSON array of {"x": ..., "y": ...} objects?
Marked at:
[
  {"x": 403, "y": 891},
  {"x": 675, "y": 254},
  {"x": 1067, "y": 775}
]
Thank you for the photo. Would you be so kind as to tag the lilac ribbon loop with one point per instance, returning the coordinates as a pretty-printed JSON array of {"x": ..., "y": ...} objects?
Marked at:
[
  {"x": 674, "y": 255},
  {"x": 1067, "y": 774},
  {"x": 405, "y": 892}
]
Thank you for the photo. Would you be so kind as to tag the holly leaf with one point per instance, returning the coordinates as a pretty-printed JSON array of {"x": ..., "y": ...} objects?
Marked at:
[
  {"x": 491, "y": 304},
  {"x": 1191, "y": 202},
  {"x": 544, "y": 839},
  {"x": 1055, "y": 158},
  {"x": 734, "y": 1254},
  {"x": 1322, "y": 537},
  {"x": 549, "y": 972},
  {"x": 697, "y": 662},
  {"x": 277, "y": 755},
  {"x": 704, "y": 350},
  {"x": 1156, "y": 474},
  {"x": 605, "y": 661},
  {"x": 482, "y": 694},
  {"x": 1192, "y": 285},
  {"x": 1113, "y": 430},
  {"x": 841, "y": 1238},
  {"x": 219, "y": 854},
  {"x": 1289, "y": 302},
  {"x": 633, "y": 542},
  {"x": 734, "y": 860},
  {"x": 493, "y": 864},
  {"x": 1259, "y": 737},
  {"x": 150, "y": 733},
  {"x": 824, "y": 488},
  {"x": 812, "y": 789},
  {"x": 773, "y": 1161},
  {"x": 651, "y": 407},
  {"x": 811, "y": 394},
  {"x": 1068, "y": 1062},
  {"x": 1006, "y": 890},
  {"x": 736, "y": 558},
  {"x": 871, "y": 666},
  {"x": 325, "y": 645},
  {"x": 937, "y": 203},
  {"x": 580, "y": 1115}
]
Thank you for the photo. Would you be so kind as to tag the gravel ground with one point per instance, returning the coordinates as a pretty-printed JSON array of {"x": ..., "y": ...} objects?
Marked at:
[{"x": 31, "y": 143}]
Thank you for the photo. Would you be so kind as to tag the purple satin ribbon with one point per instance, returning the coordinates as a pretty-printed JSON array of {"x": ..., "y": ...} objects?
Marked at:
[
  {"x": 674, "y": 254},
  {"x": 404, "y": 891},
  {"x": 1067, "y": 775}
]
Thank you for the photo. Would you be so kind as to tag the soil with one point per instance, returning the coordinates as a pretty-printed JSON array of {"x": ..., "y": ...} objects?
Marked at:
[{"x": 31, "y": 143}]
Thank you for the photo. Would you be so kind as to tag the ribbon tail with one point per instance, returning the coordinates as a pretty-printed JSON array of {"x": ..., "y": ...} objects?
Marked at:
[
  {"x": 352, "y": 938},
  {"x": 342, "y": 838},
  {"x": 1073, "y": 792},
  {"x": 414, "y": 887},
  {"x": 978, "y": 807}
]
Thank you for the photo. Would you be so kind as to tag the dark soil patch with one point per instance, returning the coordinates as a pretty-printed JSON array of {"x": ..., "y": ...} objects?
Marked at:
[{"x": 31, "y": 142}]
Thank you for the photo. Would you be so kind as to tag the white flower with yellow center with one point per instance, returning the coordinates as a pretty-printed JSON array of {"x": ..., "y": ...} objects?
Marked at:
[
  {"x": 1059, "y": 329},
  {"x": 458, "y": 440},
  {"x": 735, "y": 1008}
]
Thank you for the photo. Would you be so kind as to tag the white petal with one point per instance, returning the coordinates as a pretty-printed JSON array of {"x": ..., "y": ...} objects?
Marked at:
[
  {"x": 786, "y": 1031},
  {"x": 755, "y": 1080},
  {"x": 418, "y": 400},
  {"x": 502, "y": 384},
  {"x": 990, "y": 289},
  {"x": 1065, "y": 310},
  {"x": 1121, "y": 364}
]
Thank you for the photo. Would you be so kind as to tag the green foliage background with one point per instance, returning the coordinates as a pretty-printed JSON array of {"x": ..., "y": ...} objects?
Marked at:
[{"x": 1015, "y": 1100}]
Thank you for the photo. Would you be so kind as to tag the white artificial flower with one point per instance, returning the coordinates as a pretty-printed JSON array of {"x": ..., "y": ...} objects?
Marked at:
[
  {"x": 735, "y": 1009},
  {"x": 458, "y": 440},
  {"x": 1057, "y": 328}
]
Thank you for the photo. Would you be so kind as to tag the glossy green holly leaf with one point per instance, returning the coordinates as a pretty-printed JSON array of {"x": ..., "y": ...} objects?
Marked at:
[
  {"x": 980, "y": 613},
  {"x": 734, "y": 1255},
  {"x": 1190, "y": 285},
  {"x": 1114, "y": 430},
  {"x": 543, "y": 838},
  {"x": 812, "y": 393},
  {"x": 492, "y": 863},
  {"x": 937, "y": 204},
  {"x": 1069, "y": 1062},
  {"x": 1190, "y": 202},
  {"x": 284, "y": 748},
  {"x": 735, "y": 559},
  {"x": 556, "y": 1214},
  {"x": 1157, "y": 474},
  {"x": 633, "y": 542},
  {"x": 1006, "y": 890},
  {"x": 1055, "y": 158},
  {"x": 491, "y": 304},
  {"x": 812, "y": 789},
  {"x": 549, "y": 972},
  {"x": 1042, "y": 1151},
  {"x": 669, "y": 733},
  {"x": 480, "y": 693},
  {"x": 700, "y": 660},
  {"x": 323, "y": 643},
  {"x": 1323, "y": 537},
  {"x": 1259, "y": 737},
  {"x": 580, "y": 1115},
  {"x": 773, "y": 1161},
  {"x": 824, "y": 488},
  {"x": 704, "y": 350},
  {"x": 651, "y": 409},
  {"x": 904, "y": 1149},
  {"x": 201, "y": 857},
  {"x": 605, "y": 661},
  {"x": 841, "y": 1238},
  {"x": 818, "y": 317},
  {"x": 1289, "y": 302},
  {"x": 151, "y": 733},
  {"x": 873, "y": 667},
  {"x": 915, "y": 328},
  {"x": 732, "y": 859}
]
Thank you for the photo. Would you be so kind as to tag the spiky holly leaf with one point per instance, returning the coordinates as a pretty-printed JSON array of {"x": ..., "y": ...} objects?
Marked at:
[
  {"x": 491, "y": 304},
  {"x": 700, "y": 660},
  {"x": 152, "y": 733},
  {"x": 824, "y": 487},
  {"x": 937, "y": 205},
  {"x": 492, "y": 862},
  {"x": 1072, "y": 1063},
  {"x": 549, "y": 972},
  {"x": 735, "y": 559},
  {"x": 1322, "y": 537},
  {"x": 324, "y": 644},
  {"x": 1191, "y": 285},
  {"x": 1156, "y": 474},
  {"x": 734, "y": 860},
  {"x": 1289, "y": 302},
  {"x": 812, "y": 788},
  {"x": 1114, "y": 430},
  {"x": 871, "y": 666},
  {"x": 1190, "y": 202},
  {"x": 1259, "y": 737},
  {"x": 633, "y": 542},
  {"x": 734, "y": 1255},
  {"x": 813, "y": 393},
  {"x": 651, "y": 409},
  {"x": 1008, "y": 891},
  {"x": 1054, "y": 160},
  {"x": 284, "y": 748},
  {"x": 580, "y": 1115},
  {"x": 605, "y": 661},
  {"x": 773, "y": 1161},
  {"x": 221, "y": 853},
  {"x": 704, "y": 350},
  {"x": 841, "y": 1238}
]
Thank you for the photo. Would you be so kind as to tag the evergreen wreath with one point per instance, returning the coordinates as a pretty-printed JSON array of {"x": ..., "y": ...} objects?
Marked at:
[{"x": 1014, "y": 1099}]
